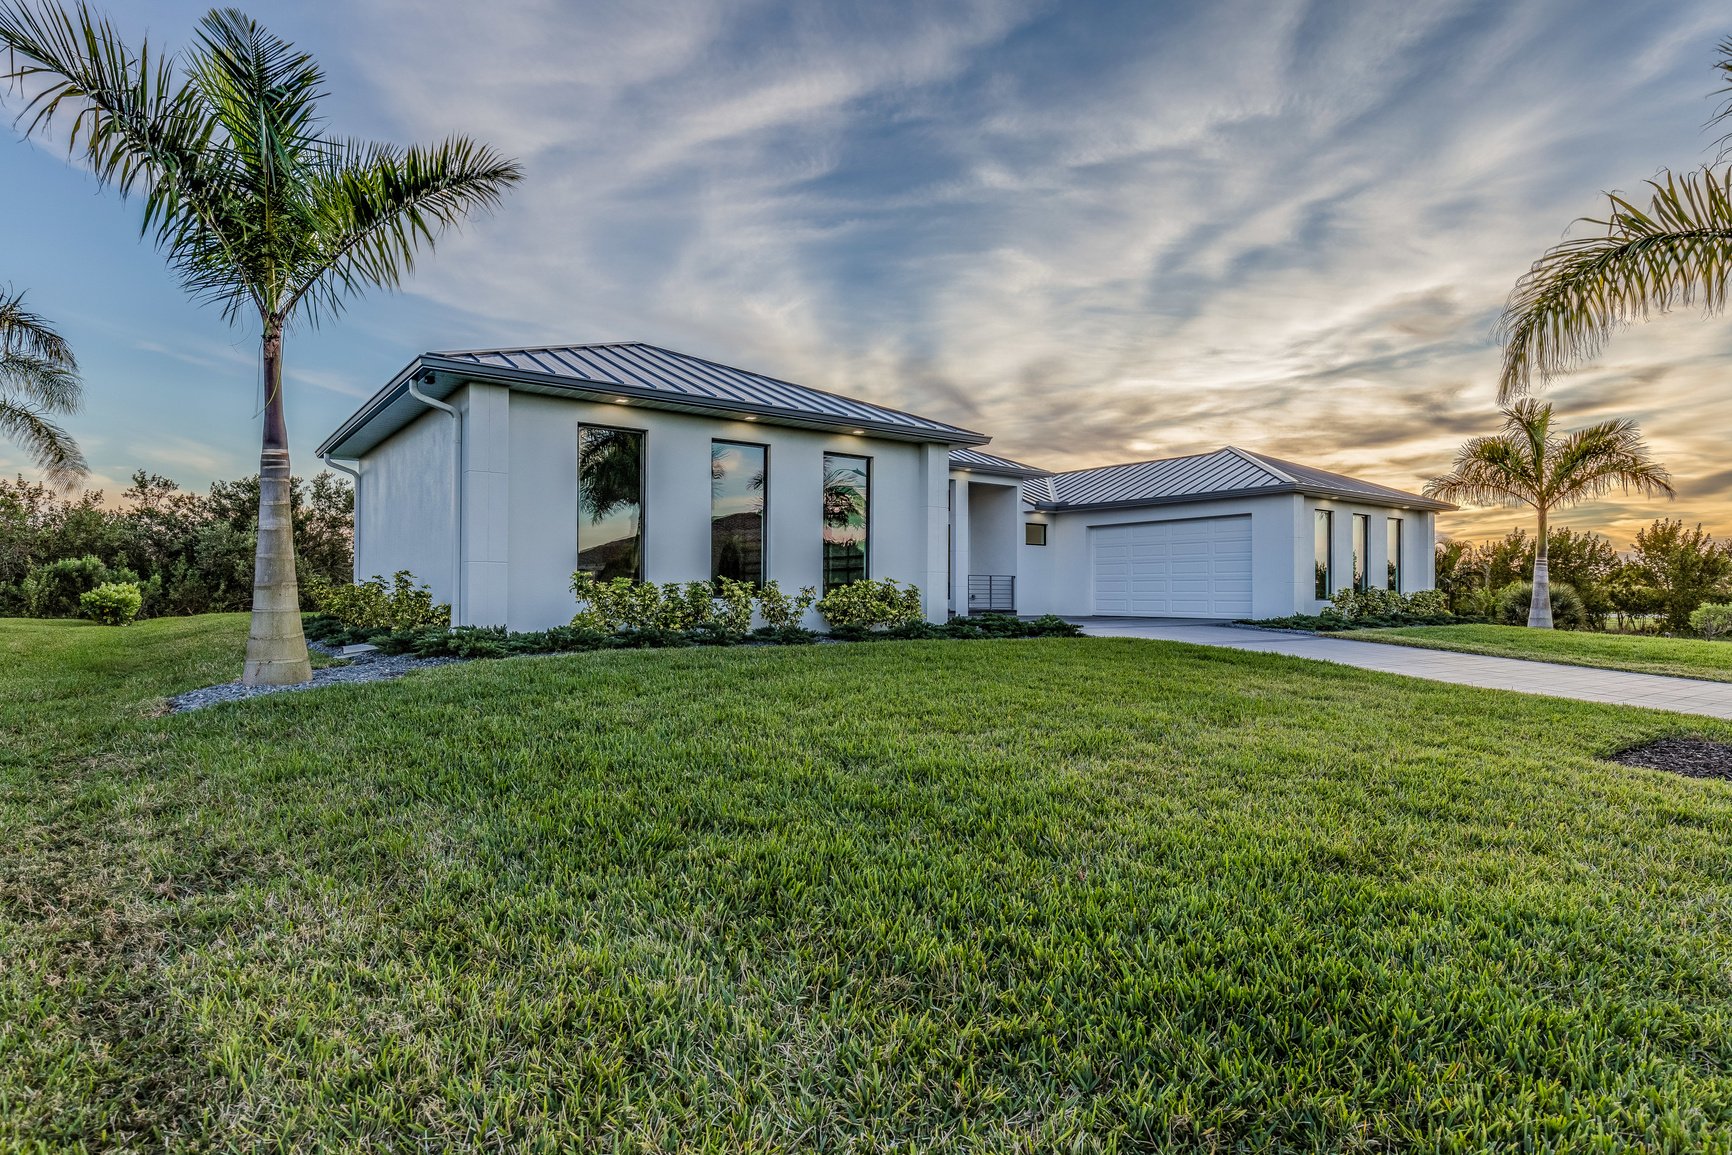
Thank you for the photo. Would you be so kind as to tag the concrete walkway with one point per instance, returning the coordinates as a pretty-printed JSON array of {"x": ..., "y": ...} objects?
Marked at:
[{"x": 1684, "y": 695}]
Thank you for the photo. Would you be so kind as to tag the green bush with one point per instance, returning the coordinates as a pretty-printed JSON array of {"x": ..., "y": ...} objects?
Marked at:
[
  {"x": 782, "y": 612},
  {"x": 871, "y": 605},
  {"x": 1376, "y": 609},
  {"x": 1370, "y": 603},
  {"x": 1568, "y": 612},
  {"x": 1712, "y": 621},
  {"x": 373, "y": 605},
  {"x": 54, "y": 589},
  {"x": 732, "y": 612},
  {"x": 112, "y": 603}
]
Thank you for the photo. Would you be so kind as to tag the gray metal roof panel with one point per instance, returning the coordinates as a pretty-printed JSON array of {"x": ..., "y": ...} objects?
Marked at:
[
  {"x": 1228, "y": 472},
  {"x": 973, "y": 459},
  {"x": 1310, "y": 479},
  {"x": 649, "y": 375}
]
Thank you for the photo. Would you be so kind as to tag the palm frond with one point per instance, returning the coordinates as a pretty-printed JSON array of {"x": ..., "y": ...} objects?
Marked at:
[
  {"x": 1594, "y": 461},
  {"x": 24, "y": 333},
  {"x": 1527, "y": 463},
  {"x": 377, "y": 205},
  {"x": 139, "y": 128},
  {"x": 1675, "y": 252},
  {"x": 50, "y": 447}
]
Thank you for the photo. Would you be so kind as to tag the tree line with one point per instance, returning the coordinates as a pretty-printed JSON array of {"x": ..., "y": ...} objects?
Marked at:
[
  {"x": 190, "y": 553},
  {"x": 1669, "y": 571}
]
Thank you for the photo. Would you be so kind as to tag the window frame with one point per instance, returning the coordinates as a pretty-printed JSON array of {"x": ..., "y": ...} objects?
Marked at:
[
  {"x": 1323, "y": 583},
  {"x": 642, "y": 492},
  {"x": 1029, "y": 534},
  {"x": 1393, "y": 534},
  {"x": 1360, "y": 548},
  {"x": 764, "y": 514},
  {"x": 824, "y": 585}
]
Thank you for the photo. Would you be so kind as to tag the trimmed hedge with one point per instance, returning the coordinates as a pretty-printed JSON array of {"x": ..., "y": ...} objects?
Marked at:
[{"x": 496, "y": 642}]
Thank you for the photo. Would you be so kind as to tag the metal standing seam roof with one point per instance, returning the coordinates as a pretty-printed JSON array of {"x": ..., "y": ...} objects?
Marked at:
[
  {"x": 1228, "y": 472},
  {"x": 641, "y": 374},
  {"x": 978, "y": 462}
]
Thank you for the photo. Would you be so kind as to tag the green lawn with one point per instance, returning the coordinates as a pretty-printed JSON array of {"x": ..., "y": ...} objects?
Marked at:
[
  {"x": 1645, "y": 654},
  {"x": 1093, "y": 894}
]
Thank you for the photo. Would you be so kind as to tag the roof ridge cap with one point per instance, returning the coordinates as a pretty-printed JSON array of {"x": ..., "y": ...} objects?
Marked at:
[{"x": 1261, "y": 462}]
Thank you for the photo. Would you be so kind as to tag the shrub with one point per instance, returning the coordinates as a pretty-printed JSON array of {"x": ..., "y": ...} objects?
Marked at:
[
  {"x": 691, "y": 606},
  {"x": 1712, "y": 621},
  {"x": 733, "y": 608},
  {"x": 1352, "y": 604},
  {"x": 782, "y": 612},
  {"x": 1428, "y": 603},
  {"x": 871, "y": 605},
  {"x": 1568, "y": 612},
  {"x": 373, "y": 605},
  {"x": 112, "y": 603},
  {"x": 55, "y": 589}
]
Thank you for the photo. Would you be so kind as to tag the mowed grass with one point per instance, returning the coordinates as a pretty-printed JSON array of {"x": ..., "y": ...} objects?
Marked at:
[
  {"x": 1643, "y": 654},
  {"x": 1093, "y": 894}
]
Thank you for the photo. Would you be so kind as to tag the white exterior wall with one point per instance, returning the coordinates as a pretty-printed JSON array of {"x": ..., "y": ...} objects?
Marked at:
[
  {"x": 1058, "y": 578},
  {"x": 1418, "y": 543},
  {"x": 1072, "y": 566},
  {"x": 906, "y": 531},
  {"x": 403, "y": 506},
  {"x": 1035, "y": 564}
]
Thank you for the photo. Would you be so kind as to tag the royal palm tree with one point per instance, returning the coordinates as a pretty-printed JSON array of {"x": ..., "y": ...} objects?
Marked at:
[
  {"x": 38, "y": 378},
  {"x": 1530, "y": 463},
  {"x": 255, "y": 207},
  {"x": 1675, "y": 251}
]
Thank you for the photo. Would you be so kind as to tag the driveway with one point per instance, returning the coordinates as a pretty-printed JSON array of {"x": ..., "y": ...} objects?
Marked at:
[{"x": 1684, "y": 695}]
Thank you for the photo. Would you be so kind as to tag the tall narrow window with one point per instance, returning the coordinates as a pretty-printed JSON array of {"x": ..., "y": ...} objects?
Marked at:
[
  {"x": 1361, "y": 552},
  {"x": 1323, "y": 550},
  {"x": 739, "y": 481},
  {"x": 610, "y": 502},
  {"x": 847, "y": 490},
  {"x": 1392, "y": 527}
]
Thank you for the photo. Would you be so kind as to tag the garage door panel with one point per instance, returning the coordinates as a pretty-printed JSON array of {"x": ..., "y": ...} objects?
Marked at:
[{"x": 1197, "y": 567}]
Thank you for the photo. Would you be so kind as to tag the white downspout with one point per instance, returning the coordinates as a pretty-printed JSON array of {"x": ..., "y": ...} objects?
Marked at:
[
  {"x": 456, "y": 496},
  {"x": 354, "y": 472}
]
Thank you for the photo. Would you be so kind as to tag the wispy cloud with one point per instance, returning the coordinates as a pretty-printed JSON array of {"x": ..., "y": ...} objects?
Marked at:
[{"x": 1096, "y": 231}]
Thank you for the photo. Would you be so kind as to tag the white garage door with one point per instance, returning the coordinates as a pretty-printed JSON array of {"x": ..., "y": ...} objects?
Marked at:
[{"x": 1200, "y": 568}]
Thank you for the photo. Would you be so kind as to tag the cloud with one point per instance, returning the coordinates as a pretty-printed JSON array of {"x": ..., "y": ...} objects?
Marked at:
[{"x": 1096, "y": 231}]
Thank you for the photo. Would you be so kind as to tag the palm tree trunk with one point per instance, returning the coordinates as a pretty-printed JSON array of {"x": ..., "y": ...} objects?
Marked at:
[
  {"x": 1540, "y": 609},
  {"x": 276, "y": 647}
]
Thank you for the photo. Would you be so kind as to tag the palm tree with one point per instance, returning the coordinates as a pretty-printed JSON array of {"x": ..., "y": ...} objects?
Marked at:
[
  {"x": 1530, "y": 463},
  {"x": 38, "y": 377},
  {"x": 1675, "y": 251},
  {"x": 253, "y": 205}
]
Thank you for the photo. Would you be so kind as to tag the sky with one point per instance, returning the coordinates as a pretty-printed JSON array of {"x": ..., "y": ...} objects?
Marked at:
[{"x": 1097, "y": 232}]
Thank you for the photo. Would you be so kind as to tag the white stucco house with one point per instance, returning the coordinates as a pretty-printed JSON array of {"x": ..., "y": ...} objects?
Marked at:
[{"x": 493, "y": 475}]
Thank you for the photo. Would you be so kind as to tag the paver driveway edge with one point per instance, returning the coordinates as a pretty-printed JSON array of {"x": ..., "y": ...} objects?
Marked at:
[{"x": 1547, "y": 679}]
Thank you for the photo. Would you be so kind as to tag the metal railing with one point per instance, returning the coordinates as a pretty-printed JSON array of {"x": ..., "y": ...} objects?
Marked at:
[{"x": 991, "y": 593}]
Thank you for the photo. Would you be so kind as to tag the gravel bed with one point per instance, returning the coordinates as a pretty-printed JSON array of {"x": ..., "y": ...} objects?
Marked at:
[
  {"x": 1693, "y": 757},
  {"x": 368, "y": 667}
]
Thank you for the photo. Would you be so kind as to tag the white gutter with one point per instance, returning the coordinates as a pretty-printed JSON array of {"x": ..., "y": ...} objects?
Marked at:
[
  {"x": 355, "y": 518},
  {"x": 456, "y": 495}
]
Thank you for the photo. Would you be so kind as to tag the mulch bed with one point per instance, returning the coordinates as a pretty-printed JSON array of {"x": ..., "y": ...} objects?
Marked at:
[{"x": 1692, "y": 757}]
